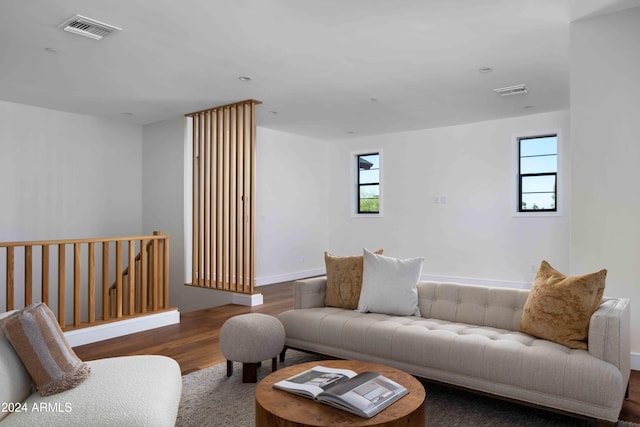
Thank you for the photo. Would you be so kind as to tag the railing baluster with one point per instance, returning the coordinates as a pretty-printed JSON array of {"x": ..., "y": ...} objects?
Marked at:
[
  {"x": 118, "y": 279},
  {"x": 154, "y": 252},
  {"x": 77, "y": 301},
  {"x": 165, "y": 275},
  {"x": 91, "y": 282},
  {"x": 143, "y": 276},
  {"x": 28, "y": 276},
  {"x": 105, "y": 281},
  {"x": 45, "y": 274},
  {"x": 132, "y": 272},
  {"x": 10, "y": 277},
  {"x": 61, "y": 285}
]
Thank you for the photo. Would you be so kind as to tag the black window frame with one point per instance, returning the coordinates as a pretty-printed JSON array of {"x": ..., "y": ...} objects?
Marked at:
[
  {"x": 521, "y": 176},
  {"x": 359, "y": 185}
]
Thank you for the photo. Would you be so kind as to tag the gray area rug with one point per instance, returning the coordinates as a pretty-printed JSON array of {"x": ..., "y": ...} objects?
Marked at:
[{"x": 210, "y": 398}]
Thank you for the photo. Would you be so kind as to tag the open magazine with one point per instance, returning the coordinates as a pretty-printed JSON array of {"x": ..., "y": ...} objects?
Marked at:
[{"x": 363, "y": 394}]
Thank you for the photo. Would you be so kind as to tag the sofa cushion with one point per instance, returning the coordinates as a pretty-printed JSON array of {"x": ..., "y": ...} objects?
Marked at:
[
  {"x": 559, "y": 307},
  {"x": 344, "y": 280},
  {"x": 389, "y": 285},
  {"x": 15, "y": 383},
  {"x": 43, "y": 349},
  {"x": 136, "y": 391}
]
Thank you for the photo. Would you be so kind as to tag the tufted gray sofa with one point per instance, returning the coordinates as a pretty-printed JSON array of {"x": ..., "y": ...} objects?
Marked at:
[{"x": 468, "y": 336}]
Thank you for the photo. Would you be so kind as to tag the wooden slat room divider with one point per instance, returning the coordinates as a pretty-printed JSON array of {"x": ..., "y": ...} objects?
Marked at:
[{"x": 223, "y": 197}]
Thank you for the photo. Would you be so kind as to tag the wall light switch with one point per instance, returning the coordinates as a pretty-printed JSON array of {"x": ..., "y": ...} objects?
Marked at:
[
  {"x": 443, "y": 200},
  {"x": 436, "y": 199}
]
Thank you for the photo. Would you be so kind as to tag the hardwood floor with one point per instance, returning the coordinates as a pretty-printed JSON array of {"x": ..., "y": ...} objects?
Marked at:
[{"x": 194, "y": 344}]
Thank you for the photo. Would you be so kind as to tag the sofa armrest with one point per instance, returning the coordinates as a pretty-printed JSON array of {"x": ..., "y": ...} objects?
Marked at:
[
  {"x": 308, "y": 293},
  {"x": 609, "y": 334}
]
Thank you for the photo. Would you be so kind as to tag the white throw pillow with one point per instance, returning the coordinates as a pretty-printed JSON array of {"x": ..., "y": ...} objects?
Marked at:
[{"x": 389, "y": 285}]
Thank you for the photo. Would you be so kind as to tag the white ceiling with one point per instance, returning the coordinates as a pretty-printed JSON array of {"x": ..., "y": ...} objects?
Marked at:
[{"x": 322, "y": 68}]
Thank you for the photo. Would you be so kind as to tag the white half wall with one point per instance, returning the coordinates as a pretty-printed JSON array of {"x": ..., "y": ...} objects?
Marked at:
[
  {"x": 474, "y": 234},
  {"x": 605, "y": 123}
]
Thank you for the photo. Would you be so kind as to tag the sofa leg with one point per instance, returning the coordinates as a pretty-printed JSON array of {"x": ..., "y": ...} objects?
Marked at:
[
  {"x": 229, "y": 368},
  {"x": 274, "y": 364},
  {"x": 284, "y": 350},
  {"x": 249, "y": 372}
]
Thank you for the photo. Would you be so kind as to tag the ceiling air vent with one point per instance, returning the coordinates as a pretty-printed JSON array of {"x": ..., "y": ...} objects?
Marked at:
[
  {"x": 511, "y": 90},
  {"x": 87, "y": 27}
]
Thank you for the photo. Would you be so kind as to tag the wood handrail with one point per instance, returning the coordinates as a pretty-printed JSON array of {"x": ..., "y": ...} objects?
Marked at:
[{"x": 88, "y": 240}]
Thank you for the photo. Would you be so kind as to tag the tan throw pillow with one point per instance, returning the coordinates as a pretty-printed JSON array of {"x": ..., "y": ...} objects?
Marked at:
[
  {"x": 559, "y": 307},
  {"x": 38, "y": 340},
  {"x": 344, "y": 280}
]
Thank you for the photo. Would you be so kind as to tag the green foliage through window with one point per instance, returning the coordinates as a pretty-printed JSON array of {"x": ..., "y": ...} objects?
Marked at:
[{"x": 368, "y": 194}]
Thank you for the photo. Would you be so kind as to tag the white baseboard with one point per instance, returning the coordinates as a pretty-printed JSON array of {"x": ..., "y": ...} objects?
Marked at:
[
  {"x": 267, "y": 280},
  {"x": 122, "y": 327},
  {"x": 635, "y": 361},
  {"x": 249, "y": 300},
  {"x": 474, "y": 281}
]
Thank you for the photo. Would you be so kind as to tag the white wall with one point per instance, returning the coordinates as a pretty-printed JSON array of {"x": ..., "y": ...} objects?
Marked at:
[
  {"x": 605, "y": 122},
  {"x": 66, "y": 176},
  {"x": 474, "y": 234},
  {"x": 292, "y": 206}
]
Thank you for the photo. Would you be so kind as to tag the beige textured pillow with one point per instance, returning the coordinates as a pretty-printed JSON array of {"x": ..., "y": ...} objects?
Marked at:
[
  {"x": 344, "y": 280},
  {"x": 38, "y": 340},
  {"x": 559, "y": 307}
]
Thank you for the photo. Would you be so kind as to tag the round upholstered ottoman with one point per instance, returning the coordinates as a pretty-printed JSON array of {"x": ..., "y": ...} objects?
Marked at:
[{"x": 250, "y": 339}]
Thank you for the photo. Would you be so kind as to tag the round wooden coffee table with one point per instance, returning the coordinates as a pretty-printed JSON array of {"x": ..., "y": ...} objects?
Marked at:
[{"x": 283, "y": 409}]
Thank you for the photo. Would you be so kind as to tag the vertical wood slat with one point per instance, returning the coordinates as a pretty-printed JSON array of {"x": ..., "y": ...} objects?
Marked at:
[
  {"x": 119, "y": 279},
  {"x": 206, "y": 194},
  {"x": 131, "y": 277},
  {"x": 252, "y": 178},
  {"x": 45, "y": 274},
  {"x": 224, "y": 182},
  {"x": 61, "y": 285},
  {"x": 77, "y": 301},
  {"x": 154, "y": 269},
  {"x": 10, "y": 277},
  {"x": 224, "y": 195},
  {"x": 219, "y": 205},
  {"x": 143, "y": 276},
  {"x": 200, "y": 203},
  {"x": 245, "y": 197},
  {"x": 212, "y": 204},
  {"x": 165, "y": 274},
  {"x": 238, "y": 197},
  {"x": 194, "y": 213},
  {"x": 28, "y": 275},
  {"x": 91, "y": 282},
  {"x": 105, "y": 281}
]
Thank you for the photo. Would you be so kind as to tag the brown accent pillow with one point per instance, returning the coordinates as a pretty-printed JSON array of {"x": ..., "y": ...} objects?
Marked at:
[
  {"x": 38, "y": 340},
  {"x": 344, "y": 280},
  {"x": 559, "y": 307}
]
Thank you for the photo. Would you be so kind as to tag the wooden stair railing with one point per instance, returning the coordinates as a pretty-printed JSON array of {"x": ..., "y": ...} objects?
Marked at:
[
  {"x": 78, "y": 289},
  {"x": 144, "y": 273}
]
